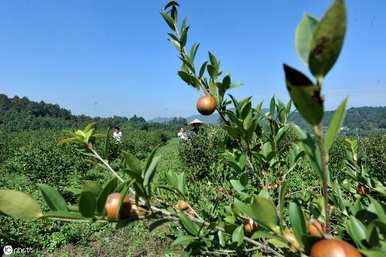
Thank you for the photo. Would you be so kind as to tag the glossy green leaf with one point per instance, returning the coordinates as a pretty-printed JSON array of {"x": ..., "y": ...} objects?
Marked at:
[
  {"x": 303, "y": 36},
  {"x": 168, "y": 20},
  {"x": 184, "y": 240},
  {"x": 53, "y": 198},
  {"x": 268, "y": 217},
  {"x": 184, "y": 36},
  {"x": 19, "y": 205},
  {"x": 108, "y": 188},
  {"x": 221, "y": 238},
  {"x": 335, "y": 125},
  {"x": 238, "y": 235},
  {"x": 189, "y": 226},
  {"x": 150, "y": 173},
  {"x": 377, "y": 208},
  {"x": 87, "y": 204},
  {"x": 357, "y": 230},
  {"x": 193, "y": 52},
  {"x": 328, "y": 40},
  {"x": 305, "y": 95},
  {"x": 132, "y": 162},
  {"x": 92, "y": 186},
  {"x": 297, "y": 221}
]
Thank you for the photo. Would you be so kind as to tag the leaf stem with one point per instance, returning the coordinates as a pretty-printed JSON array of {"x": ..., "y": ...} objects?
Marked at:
[{"x": 324, "y": 160}]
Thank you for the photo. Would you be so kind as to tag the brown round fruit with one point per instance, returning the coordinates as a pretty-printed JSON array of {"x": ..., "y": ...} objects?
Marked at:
[
  {"x": 333, "y": 248},
  {"x": 315, "y": 228},
  {"x": 183, "y": 205},
  {"x": 206, "y": 105},
  {"x": 115, "y": 211},
  {"x": 362, "y": 189},
  {"x": 249, "y": 226},
  {"x": 289, "y": 235}
]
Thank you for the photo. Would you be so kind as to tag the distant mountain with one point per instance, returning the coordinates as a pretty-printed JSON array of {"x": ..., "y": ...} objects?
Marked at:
[
  {"x": 359, "y": 120},
  {"x": 211, "y": 119},
  {"x": 161, "y": 119}
]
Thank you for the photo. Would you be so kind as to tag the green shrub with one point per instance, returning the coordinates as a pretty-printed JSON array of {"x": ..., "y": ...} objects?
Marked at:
[
  {"x": 201, "y": 155},
  {"x": 372, "y": 151}
]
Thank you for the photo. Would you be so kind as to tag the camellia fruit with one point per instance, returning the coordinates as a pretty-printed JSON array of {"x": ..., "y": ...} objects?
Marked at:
[
  {"x": 182, "y": 205},
  {"x": 206, "y": 105},
  {"x": 249, "y": 226},
  {"x": 315, "y": 228},
  {"x": 115, "y": 209},
  {"x": 333, "y": 248}
]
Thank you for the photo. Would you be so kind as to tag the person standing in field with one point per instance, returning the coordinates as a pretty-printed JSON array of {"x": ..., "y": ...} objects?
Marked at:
[
  {"x": 117, "y": 135},
  {"x": 182, "y": 134}
]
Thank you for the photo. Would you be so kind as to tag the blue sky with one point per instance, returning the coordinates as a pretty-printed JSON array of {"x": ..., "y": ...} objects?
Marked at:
[{"x": 113, "y": 58}]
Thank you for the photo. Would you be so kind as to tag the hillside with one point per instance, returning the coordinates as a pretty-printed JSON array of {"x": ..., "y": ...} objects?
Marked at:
[{"x": 20, "y": 113}]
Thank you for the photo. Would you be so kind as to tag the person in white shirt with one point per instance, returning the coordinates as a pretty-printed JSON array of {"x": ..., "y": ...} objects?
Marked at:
[
  {"x": 182, "y": 134},
  {"x": 117, "y": 135}
]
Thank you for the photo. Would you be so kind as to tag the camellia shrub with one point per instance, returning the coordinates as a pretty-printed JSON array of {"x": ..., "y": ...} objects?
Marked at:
[
  {"x": 203, "y": 153},
  {"x": 261, "y": 216}
]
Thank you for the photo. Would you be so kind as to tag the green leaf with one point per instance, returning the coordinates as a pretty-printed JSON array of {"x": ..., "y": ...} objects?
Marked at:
[
  {"x": 297, "y": 221},
  {"x": 238, "y": 235},
  {"x": 373, "y": 253},
  {"x": 92, "y": 186},
  {"x": 335, "y": 125},
  {"x": 149, "y": 160},
  {"x": 19, "y": 205},
  {"x": 184, "y": 240},
  {"x": 221, "y": 238},
  {"x": 236, "y": 184},
  {"x": 184, "y": 36},
  {"x": 356, "y": 230},
  {"x": 87, "y": 204},
  {"x": 305, "y": 95},
  {"x": 268, "y": 217},
  {"x": 202, "y": 69},
  {"x": 272, "y": 106},
  {"x": 168, "y": 21},
  {"x": 149, "y": 174},
  {"x": 193, "y": 52},
  {"x": 328, "y": 40},
  {"x": 53, "y": 198},
  {"x": 63, "y": 214},
  {"x": 132, "y": 162},
  {"x": 107, "y": 189},
  {"x": 377, "y": 208},
  {"x": 303, "y": 36},
  {"x": 312, "y": 151},
  {"x": 189, "y": 226}
]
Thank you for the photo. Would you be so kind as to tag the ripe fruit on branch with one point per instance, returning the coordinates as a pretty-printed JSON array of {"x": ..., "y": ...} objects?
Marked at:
[
  {"x": 333, "y": 248},
  {"x": 289, "y": 235},
  {"x": 362, "y": 189},
  {"x": 206, "y": 105},
  {"x": 220, "y": 194},
  {"x": 315, "y": 228},
  {"x": 249, "y": 226},
  {"x": 115, "y": 210},
  {"x": 183, "y": 205}
]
